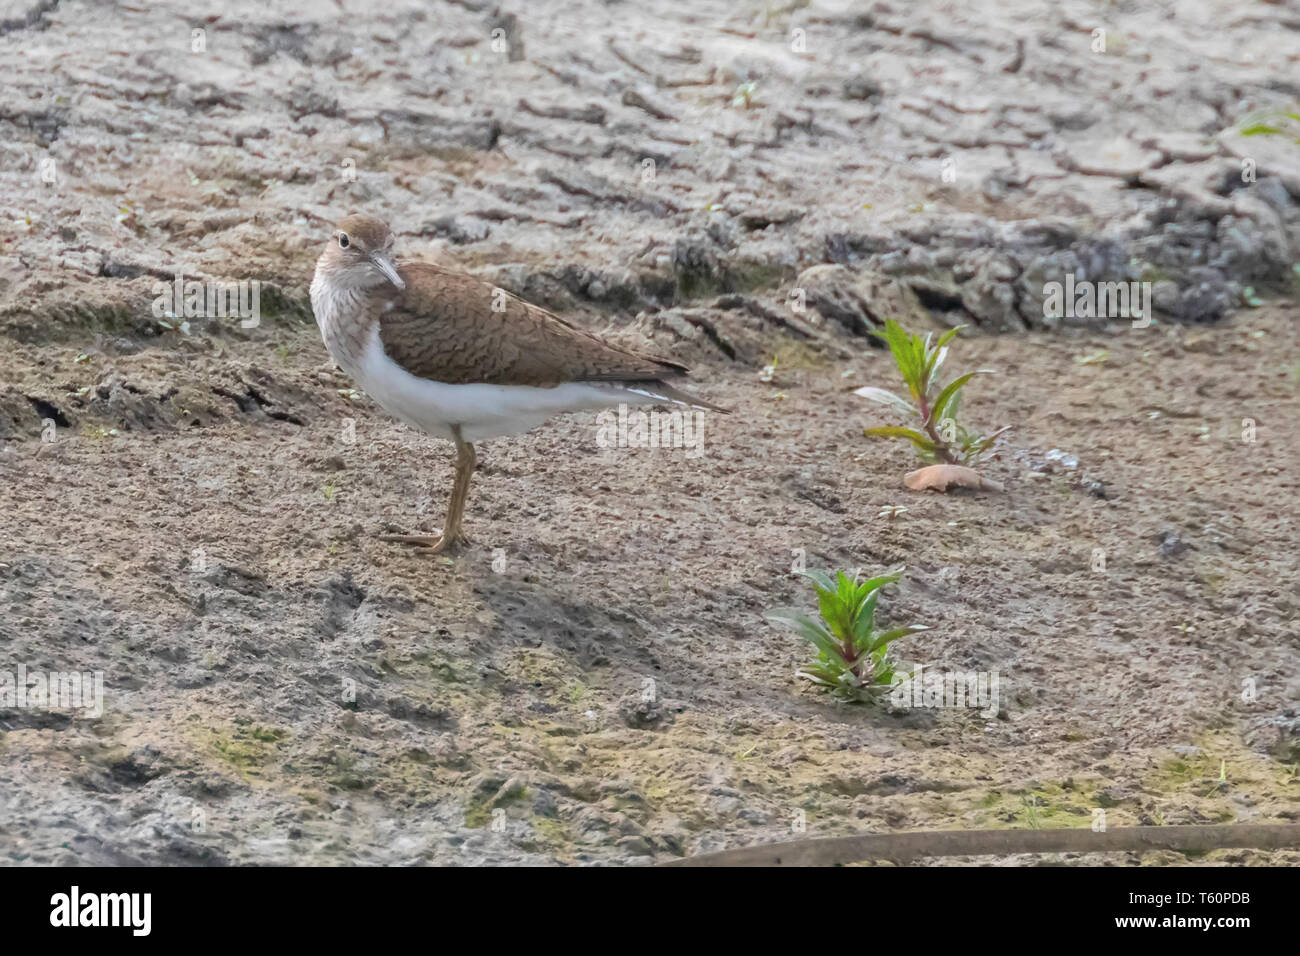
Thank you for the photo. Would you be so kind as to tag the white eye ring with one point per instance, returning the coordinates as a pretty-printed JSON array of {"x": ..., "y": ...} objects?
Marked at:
[{"x": 344, "y": 242}]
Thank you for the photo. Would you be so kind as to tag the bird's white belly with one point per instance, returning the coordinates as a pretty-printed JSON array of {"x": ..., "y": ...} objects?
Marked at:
[{"x": 481, "y": 411}]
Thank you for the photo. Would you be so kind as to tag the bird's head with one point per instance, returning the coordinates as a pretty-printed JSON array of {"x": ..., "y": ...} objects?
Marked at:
[{"x": 359, "y": 255}]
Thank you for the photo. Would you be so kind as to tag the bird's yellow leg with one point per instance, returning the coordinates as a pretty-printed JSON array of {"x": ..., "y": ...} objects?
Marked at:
[{"x": 452, "y": 536}]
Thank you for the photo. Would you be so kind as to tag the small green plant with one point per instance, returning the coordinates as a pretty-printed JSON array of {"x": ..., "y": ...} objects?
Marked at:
[
  {"x": 941, "y": 438},
  {"x": 1030, "y": 804},
  {"x": 1222, "y": 783},
  {"x": 1272, "y": 123},
  {"x": 173, "y": 323},
  {"x": 1250, "y": 299},
  {"x": 852, "y": 658},
  {"x": 744, "y": 95}
]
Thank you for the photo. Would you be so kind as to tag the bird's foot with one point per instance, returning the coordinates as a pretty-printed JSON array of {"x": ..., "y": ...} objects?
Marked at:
[{"x": 436, "y": 543}]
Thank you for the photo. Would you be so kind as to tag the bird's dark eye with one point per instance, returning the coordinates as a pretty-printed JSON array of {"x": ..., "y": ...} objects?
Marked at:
[{"x": 344, "y": 242}]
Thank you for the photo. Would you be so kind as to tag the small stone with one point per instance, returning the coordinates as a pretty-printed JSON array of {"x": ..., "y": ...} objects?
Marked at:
[
  {"x": 1171, "y": 544},
  {"x": 862, "y": 88},
  {"x": 639, "y": 713}
]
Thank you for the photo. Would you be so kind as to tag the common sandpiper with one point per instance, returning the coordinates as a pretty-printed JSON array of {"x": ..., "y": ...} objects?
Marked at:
[{"x": 457, "y": 358}]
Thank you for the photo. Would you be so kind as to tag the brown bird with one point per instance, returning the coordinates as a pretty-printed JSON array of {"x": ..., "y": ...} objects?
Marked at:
[{"x": 455, "y": 357}]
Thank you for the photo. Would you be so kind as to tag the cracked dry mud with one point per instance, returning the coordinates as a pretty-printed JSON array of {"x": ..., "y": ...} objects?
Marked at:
[{"x": 202, "y": 532}]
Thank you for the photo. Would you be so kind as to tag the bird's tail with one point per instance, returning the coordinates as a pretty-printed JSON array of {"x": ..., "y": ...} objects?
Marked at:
[{"x": 663, "y": 391}]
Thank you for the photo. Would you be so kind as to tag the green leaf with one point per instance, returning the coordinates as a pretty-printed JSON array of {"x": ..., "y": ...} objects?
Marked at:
[
  {"x": 973, "y": 447},
  {"x": 887, "y": 398},
  {"x": 916, "y": 365},
  {"x": 876, "y": 583},
  {"x": 889, "y": 332},
  {"x": 816, "y": 675},
  {"x": 948, "y": 336},
  {"x": 940, "y": 403},
  {"x": 896, "y": 339},
  {"x": 1260, "y": 129},
  {"x": 932, "y": 369},
  {"x": 845, "y": 587},
  {"x": 894, "y": 431},
  {"x": 820, "y": 580},
  {"x": 864, "y": 621},
  {"x": 834, "y": 613},
  {"x": 828, "y": 602},
  {"x": 883, "y": 639},
  {"x": 808, "y": 628},
  {"x": 849, "y": 602},
  {"x": 907, "y": 354},
  {"x": 953, "y": 405}
]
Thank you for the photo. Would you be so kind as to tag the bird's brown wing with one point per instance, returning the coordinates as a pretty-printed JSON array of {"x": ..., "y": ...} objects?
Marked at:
[{"x": 454, "y": 328}]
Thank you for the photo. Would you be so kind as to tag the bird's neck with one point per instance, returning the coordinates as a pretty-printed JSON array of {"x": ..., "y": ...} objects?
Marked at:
[{"x": 344, "y": 316}]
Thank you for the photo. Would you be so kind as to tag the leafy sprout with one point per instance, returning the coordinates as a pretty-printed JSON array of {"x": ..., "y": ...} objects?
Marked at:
[
  {"x": 744, "y": 96},
  {"x": 941, "y": 438},
  {"x": 853, "y": 660},
  {"x": 1273, "y": 123}
]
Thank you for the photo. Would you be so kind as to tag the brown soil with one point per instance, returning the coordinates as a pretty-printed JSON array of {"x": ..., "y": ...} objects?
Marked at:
[
  {"x": 519, "y": 686},
  {"x": 282, "y": 687}
]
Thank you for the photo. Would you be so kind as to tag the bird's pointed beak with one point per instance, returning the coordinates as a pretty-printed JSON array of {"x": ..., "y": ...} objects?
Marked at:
[{"x": 385, "y": 265}]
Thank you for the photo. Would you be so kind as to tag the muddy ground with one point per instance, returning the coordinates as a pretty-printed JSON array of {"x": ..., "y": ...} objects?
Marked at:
[{"x": 282, "y": 687}]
